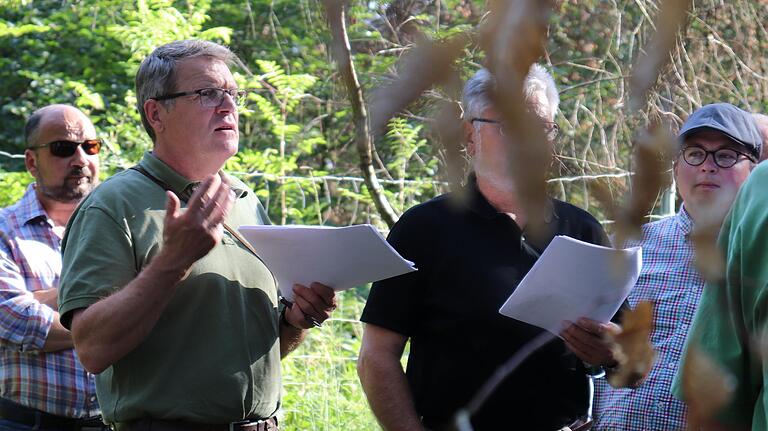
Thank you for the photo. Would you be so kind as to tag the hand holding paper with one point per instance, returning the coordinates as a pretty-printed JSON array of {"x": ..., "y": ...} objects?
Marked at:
[{"x": 574, "y": 279}]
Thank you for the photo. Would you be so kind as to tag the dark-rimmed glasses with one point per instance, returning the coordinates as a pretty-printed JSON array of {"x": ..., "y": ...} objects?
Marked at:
[
  {"x": 65, "y": 148},
  {"x": 209, "y": 97},
  {"x": 551, "y": 129},
  {"x": 724, "y": 157}
]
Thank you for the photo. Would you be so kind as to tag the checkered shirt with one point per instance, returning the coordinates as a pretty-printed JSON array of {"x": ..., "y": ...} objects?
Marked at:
[
  {"x": 30, "y": 260},
  {"x": 669, "y": 279}
]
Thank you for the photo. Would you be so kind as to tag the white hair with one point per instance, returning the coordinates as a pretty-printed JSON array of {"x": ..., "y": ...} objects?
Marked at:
[{"x": 476, "y": 97}]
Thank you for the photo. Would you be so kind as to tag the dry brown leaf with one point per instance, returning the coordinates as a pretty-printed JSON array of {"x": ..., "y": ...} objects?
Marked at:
[
  {"x": 513, "y": 38},
  {"x": 668, "y": 22},
  {"x": 654, "y": 152},
  {"x": 706, "y": 386},
  {"x": 709, "y": 259},
  {"x": 631, "y": 347},
  {"x": 450, "y": 132},
  {"x": 430, "y": 63}
]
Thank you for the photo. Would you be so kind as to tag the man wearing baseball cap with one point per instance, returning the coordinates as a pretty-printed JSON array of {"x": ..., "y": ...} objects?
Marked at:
[{"x": 719, "y": 146}]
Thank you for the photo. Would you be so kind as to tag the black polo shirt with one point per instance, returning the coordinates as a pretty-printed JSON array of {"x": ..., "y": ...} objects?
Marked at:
[{"x": 470, "y": 259}]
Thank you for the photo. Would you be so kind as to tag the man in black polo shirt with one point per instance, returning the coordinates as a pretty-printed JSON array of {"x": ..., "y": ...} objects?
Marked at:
[{"x": 471, "y": 256}]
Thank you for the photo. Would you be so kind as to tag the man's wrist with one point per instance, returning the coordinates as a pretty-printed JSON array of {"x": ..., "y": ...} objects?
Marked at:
[{"x": 284, "y": 320}]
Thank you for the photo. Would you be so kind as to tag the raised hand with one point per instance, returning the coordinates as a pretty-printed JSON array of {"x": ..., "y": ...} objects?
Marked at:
[{"x": 191, "y": 233}]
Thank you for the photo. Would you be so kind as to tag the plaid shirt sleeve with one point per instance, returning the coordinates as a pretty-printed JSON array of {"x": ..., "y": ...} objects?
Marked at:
[{"x": 24, "y": 321}]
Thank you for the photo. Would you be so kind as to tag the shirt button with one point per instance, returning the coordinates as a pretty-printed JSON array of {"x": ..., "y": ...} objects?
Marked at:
[
  {"x": 93, "y": 398},
  {"x": 671, "y": 365}
]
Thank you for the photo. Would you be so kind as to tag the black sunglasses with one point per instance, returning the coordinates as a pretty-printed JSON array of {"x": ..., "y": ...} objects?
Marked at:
[{"x": 66, "y": 148}]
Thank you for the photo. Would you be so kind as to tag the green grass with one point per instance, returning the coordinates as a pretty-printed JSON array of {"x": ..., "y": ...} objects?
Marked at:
[{"x": 321, "y": 390}]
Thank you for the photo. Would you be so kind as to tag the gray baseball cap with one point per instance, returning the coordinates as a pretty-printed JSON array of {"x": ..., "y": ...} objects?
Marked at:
[{"x": 737, "y": 124}]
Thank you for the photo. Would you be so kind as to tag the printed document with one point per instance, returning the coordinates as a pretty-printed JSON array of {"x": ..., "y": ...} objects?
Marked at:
[
  {"x": 572, "y": 279},
  {"x": 339, "y": 257}
]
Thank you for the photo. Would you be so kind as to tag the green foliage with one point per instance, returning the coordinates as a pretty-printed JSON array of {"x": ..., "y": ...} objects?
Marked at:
[
  {"x": 321, "y": 388},
  {"x": 12, "y": 186}
]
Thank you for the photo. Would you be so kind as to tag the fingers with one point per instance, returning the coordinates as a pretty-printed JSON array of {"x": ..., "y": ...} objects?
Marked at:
[
  {"x": 172, "y": 206},
  {"x": 218, "y": 208},
  {"x": 327, "y": 294},
  {"x": 316, "y": 302},
  {"x": 203, "y": 193},
  {"x": 588, "y": 344},
  {"x": 582, "y": 337},
  {"x": 310, "y": 303},
  {"x": 211, "y": 201}
]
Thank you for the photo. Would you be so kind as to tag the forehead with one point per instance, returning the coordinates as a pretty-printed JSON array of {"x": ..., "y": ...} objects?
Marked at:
[
  {"x": 69, "y": 124},
  {"x": 201, "y": 72},
  {"x": 711, "y": 139},
  {"x": 537, "y": 104}
]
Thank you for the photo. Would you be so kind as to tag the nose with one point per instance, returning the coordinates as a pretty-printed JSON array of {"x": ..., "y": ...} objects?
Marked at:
[
  {"x": 80, "y": 158},
  {"x": 709, "y": 164},
  {"x": 227, "y": 104}
]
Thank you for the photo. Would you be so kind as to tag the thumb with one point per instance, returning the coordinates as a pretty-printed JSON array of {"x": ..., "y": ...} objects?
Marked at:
[{"x": 172, "y": 206}]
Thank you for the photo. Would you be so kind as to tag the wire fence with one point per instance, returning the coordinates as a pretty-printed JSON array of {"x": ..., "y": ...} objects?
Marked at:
[{"x": 270, "y": 181}]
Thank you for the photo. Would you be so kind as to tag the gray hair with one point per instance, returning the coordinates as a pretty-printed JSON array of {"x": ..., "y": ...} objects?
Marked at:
[
  {"x": 157, "y": 73},
  {"x": 477, "y": 91}
]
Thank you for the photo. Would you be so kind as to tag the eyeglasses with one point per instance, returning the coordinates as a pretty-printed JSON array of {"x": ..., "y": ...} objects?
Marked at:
[
  {"x": 724, "y": 157},
  {"x": 551, "y": 129},
  {"x": 66, "y": 148},
  {"x": 209, "y": 97}
]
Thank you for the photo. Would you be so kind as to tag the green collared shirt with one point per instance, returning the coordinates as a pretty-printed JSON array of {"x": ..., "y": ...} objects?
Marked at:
[
  {"x": 214, "y": 354},
  {"x": 732, "y": 316}
]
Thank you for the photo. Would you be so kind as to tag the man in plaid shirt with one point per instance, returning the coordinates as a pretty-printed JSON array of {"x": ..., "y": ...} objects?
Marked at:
[
  {"x": 720, "y": 145},
  {"x": 43, "y": 386}
]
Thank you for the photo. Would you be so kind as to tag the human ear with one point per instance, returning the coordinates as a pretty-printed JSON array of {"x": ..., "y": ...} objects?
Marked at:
[
  {"x": 30, "y": 161},
  {"x": 469, "y": 138},
  {"x": 153, "y": 110}
]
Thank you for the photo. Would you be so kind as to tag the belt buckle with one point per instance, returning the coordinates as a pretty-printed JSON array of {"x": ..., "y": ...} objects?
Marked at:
[{"x": 235, "y": 426}]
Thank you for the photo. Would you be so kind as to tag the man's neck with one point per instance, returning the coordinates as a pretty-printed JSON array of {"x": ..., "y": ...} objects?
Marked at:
[
  {"x": 706, "y": 217},
  {"x": 58, "y": 212},
  {"x": 504, "y": 201},
  {"x": 193, "y": 170}
]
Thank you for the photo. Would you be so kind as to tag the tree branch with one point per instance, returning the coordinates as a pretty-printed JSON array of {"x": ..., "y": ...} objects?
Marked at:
[{"x": 342, "y": 53}]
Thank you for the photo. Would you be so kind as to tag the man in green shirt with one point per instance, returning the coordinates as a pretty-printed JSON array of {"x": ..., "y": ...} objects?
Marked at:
[
  {"x": 732, "y": 314},
  {"x": 175, "y": 313}
]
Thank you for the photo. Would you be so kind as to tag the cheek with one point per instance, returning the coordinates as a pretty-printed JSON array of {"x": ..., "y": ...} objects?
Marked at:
[
  {"x": 736, "y": 177},
  {"x": 684, "y": 177}
]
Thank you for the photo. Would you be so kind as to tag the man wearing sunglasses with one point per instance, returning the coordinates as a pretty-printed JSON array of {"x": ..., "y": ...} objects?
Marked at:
[
  {"x": 719, "y": 146},
  {"x": 171, "y": 307},
  {"x": 42, "y": 383}
]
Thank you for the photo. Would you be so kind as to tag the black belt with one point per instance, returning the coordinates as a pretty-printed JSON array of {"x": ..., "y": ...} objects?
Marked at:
[
  {"x": 41, "y": 420},
  {"x": 149, "y": 424}
]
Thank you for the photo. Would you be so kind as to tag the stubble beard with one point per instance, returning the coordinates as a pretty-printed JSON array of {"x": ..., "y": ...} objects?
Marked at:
[{"x": 71, "y": 190}]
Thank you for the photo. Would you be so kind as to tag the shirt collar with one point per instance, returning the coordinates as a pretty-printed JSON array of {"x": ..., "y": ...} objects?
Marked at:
[
  {"x": 180, "y": 185},
  {"x": 480, "y": 205},
  {"x": 29, "y": 208},
  {"x": 684, "y": 220}
]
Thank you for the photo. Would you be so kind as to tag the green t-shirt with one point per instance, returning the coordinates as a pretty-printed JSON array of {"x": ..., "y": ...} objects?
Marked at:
[
  {"x": 732, "y": 314},
  {"x": 214, "y": 355}
]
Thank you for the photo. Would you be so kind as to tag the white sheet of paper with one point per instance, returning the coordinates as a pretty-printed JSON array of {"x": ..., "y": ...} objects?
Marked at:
[
  {"x": 339, "y": 257},
  {"x": 572, "y": 279}
]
